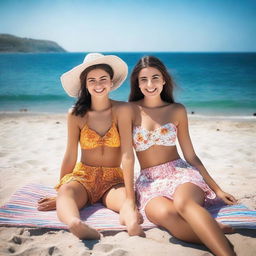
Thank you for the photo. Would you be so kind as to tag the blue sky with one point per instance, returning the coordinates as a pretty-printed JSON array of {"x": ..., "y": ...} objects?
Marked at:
[{"x": 135, "y": 25}]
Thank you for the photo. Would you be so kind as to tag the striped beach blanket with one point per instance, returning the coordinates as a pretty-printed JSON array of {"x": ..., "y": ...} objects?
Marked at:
[{"x": 21, "y": 210}]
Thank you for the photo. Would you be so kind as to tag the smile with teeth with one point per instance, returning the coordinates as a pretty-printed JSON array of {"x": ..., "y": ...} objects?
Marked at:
[
  {"x": 151, "y": 90},
  {"x": 99, "y": 90}
]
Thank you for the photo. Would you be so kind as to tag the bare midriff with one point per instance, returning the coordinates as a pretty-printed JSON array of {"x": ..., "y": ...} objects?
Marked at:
[
  {"x": 157, "y": 155},
  {"x": 102, "y": 156}
]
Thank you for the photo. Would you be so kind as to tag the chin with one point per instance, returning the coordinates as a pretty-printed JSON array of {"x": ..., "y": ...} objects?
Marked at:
[{"x": 151, "y": 94}]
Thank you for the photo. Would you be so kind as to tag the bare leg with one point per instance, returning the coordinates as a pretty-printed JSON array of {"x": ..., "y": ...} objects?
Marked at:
[
  {"x": 114, "y": 199},
  {"x": 161, "y": 211},
  {"x": 72, "y": 197},
  {"x": 188, "y": 199}
]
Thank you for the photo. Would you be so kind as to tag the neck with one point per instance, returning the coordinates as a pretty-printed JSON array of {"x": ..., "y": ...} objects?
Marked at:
[
  {"x": 100, "y": 104},
  {"x": 152, "y": 102}
]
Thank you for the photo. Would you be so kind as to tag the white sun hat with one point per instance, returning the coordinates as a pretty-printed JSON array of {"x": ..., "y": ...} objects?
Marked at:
[{"x": 71, "y": 79}]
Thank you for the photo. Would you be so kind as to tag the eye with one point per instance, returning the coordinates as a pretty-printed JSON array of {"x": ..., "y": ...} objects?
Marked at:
[{"x": 90, "y": 81}]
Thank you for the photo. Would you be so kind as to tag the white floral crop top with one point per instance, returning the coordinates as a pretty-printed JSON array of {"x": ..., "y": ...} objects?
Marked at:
[{"x": 164, "y": 135}]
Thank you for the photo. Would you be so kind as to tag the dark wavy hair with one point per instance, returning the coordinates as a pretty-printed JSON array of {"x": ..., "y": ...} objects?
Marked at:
[
  {"x": 151, "y": 61},
  {"x": 83, "y": 103}
]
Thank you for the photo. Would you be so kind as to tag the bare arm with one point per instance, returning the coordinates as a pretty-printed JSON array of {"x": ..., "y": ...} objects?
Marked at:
[
  {"x": 69, "y": 160},
  {"x": 191, "y": 157},
  {"x": 125, "y": 131},
  {"x": 70, "y": 156},
  {"x": 128, "y": 214}
]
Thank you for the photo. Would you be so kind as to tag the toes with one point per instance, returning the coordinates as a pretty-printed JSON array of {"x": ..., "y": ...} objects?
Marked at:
[
  {"x": 135, "y": 230},
  {"x": 83, "y": 231}
]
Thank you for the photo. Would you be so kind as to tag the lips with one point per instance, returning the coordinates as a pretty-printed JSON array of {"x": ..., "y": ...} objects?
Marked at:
[
  {"x": 99, "y": 90},
  {"x": 151, "y": 90}
]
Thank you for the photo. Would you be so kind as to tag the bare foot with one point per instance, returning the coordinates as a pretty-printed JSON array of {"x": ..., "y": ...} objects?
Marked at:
[
  {"x": 130, "y": 216},
  {"x": 83, "y": 231},
  {"x": 227, "y": 229},
  {"x": 134, "y": 229}
]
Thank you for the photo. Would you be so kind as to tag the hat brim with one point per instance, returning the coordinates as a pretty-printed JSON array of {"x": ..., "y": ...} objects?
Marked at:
[{"x": 71, "y": 79}]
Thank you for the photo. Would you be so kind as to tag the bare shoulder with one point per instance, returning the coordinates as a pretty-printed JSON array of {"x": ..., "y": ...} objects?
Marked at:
[
  {"x": 71, "y": 117},
  {"x": 178, "y": 108},
  {"x": 70, "y": 114},
  {"x": 117, "y": 103},
  {"x": 124, "y": 108},
  {"x": 135, "y": 106},
  {"x": 179, "y": 112}
]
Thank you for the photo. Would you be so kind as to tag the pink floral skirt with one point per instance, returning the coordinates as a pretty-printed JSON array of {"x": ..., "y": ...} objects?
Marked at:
[{"x": 162, "y": 180}]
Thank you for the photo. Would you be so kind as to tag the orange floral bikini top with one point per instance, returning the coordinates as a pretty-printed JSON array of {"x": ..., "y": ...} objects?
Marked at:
[{"x": 90, "y": 139}]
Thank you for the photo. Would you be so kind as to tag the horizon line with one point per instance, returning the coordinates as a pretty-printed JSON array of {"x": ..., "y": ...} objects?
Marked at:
[{"x": 182, "y": 52}]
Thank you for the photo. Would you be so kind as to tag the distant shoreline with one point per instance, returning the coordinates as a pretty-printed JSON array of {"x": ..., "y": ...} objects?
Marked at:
[{"x": 14, "y": 44}]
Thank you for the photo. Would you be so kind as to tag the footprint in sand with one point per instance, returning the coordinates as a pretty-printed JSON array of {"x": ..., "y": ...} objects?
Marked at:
[
  {"x": 53, "y": 250},
  {"x": 118, "y": 252},
  {"x": 16, "y": 242},
  {"x": 32, "y": 251},
  {"x": 108, "y": 250},
  {"x": 20, "y": 239},
  {"x": 11, "y": 249},
  {"x": 103, "y": 247}
]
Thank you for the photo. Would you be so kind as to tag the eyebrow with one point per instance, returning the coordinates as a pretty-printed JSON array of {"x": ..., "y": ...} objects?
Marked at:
[
  {"x": 94, "y": 77},
  {"x": 156, "y": 75}
]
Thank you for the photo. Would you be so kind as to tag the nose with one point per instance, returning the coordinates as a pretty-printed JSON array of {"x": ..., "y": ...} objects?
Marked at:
[
  {"x": 149, "y": 83},
  {"x": 98, "y": 83}
]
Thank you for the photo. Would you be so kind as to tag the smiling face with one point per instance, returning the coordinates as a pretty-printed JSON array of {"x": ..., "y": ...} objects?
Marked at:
[
  {"x": 98, "y": 82},
  {"x": 151, "y": 81}
]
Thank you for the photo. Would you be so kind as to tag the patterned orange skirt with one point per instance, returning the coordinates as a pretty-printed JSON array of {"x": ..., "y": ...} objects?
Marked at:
[{"x": 96, "y": 180}]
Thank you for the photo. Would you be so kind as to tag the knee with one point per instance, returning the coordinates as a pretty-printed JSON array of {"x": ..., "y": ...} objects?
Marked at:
[
  {"x": 161, "y": 214},
  {"x": 66, "y": 190},
  {"x": 181, "y": 203}
]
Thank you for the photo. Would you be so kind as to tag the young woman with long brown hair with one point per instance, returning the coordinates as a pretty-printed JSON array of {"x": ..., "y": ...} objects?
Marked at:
[
  {"x": 172, "y": 191},
  {"x": 99, "y": 125}
]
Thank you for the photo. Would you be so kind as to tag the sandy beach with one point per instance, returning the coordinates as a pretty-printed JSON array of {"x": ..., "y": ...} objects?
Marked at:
[{"x": 31, "y": 150}]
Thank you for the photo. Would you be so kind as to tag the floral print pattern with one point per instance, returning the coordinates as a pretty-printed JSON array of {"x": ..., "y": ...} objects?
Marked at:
[
  {"x": 96, "y": 180},
  {"x": 162, "y": 180},
  {"x": 91, "y": 139},
  {"x": 164, "y": 135}
]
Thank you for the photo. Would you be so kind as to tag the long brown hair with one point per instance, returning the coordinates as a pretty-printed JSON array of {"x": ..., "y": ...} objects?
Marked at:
[
  {"x": 83, "y": 103},
  {"x": 151, "y": 61}
]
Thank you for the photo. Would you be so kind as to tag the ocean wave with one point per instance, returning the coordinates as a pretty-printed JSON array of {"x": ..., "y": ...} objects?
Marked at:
[{"x": 30, "y": 97}]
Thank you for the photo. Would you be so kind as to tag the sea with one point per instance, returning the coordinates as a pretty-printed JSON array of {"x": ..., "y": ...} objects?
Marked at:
[{"x": 212, "y": 84}]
